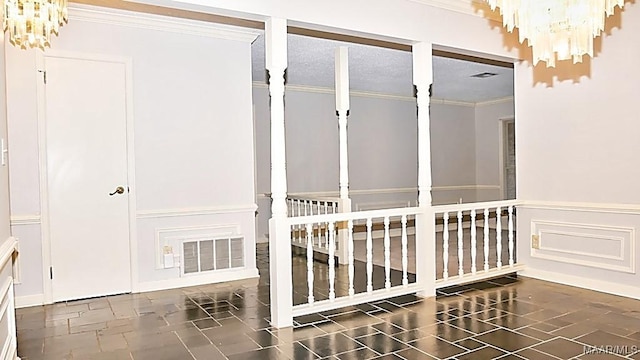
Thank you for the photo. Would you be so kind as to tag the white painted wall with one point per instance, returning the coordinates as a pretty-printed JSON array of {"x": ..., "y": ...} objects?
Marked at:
[
  {"x": 576, "y": 135},
  {"x": 193, "y": 138}
]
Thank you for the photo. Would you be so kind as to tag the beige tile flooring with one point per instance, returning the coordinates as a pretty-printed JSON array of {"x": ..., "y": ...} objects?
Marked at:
[{"x": 506, "y": 318}]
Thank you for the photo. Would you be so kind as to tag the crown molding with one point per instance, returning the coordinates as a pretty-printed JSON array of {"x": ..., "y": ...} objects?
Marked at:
[
  {"x": 451, "y": 102},
  {"x": 462, "y": 6},
  {"x": 496, "y": 101},
  {"x": 109, "y": 16},
  {"x": 326, "y": 90}
]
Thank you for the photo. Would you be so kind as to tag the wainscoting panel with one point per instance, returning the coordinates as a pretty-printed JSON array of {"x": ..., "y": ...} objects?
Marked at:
[
  {"x": 599, "y": 246},
  {"x": 585, "y": 245}
]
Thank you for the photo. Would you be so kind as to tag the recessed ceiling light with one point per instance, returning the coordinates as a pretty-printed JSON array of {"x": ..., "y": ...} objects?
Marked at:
[{"x": 484, "y": 75}]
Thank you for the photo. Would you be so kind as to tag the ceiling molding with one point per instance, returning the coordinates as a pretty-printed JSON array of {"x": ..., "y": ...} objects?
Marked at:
[
  {"x": 326, "y": 90},
  {"x": 109, "y": 16},
  {"x": 495, "y": 101},
  {"x": 451, "y": 102},
  {"x": 469, "y": 7}
]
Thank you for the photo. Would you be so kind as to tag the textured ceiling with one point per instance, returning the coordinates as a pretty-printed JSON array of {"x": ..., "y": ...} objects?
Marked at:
[{"x": 380, "y": 70}]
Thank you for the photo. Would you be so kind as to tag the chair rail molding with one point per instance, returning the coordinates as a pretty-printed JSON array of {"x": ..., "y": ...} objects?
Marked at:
[
  {"x": 614, "y": 208},
  {"x": 19, "y": 220},
  {"x": 178, "y": 212}
]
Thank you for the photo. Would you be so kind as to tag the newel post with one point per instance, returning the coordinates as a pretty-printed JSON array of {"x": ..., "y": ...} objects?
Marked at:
[
  {"x": 342, "y": 110},
  {"x": 425, "y": 222},
  {"x": 279, "y": 232}
]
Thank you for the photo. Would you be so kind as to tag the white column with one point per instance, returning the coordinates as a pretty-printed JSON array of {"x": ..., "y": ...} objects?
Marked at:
[
  {"x": 342, "y": 109},
  {"x": 279, "y": 232},
  {"x": 425, "y": 222}
]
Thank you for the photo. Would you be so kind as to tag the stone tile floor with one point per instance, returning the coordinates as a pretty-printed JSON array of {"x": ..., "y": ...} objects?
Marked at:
[{"x": 505, "y": 318}]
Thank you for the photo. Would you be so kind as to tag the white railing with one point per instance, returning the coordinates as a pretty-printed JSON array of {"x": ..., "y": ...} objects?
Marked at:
[
  {"x": 307, "y": 206},
  {"x": 310, "y": 206},
  {"x": 356, "y": 287},
  {"x": 467, "y": 256}
]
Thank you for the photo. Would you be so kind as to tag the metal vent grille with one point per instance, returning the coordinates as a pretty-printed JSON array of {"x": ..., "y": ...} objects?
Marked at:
[{"x": 210, "y": 255}]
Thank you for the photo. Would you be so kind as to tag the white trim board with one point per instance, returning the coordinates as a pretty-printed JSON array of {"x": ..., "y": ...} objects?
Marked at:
[
  {"x": 331, "y": 91},
  {"x": 370, "y": 94},
  {"x": 215, "y": 210},
  {"x": 29, "y": 300},
  {"x": 100, "y": 15},
  {"x": 585, "y": 283},
  {"x": 385, "y": 191},
  {"x": 19, "y": 220},
  {"x": 6, "y": 251},
  {"x": 205, "y": 279},
  {"x": 633, "y": 209},
  {"x": 461, "y": 6}
]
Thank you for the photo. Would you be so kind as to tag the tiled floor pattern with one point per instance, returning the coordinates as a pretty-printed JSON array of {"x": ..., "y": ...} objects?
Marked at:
[{"x": 506, "y": 318}]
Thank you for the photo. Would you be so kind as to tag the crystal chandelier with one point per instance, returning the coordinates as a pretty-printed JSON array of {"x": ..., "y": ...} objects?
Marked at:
[
  {"x": 31, "y": 22},
  {"x": 556, "y": 29}
]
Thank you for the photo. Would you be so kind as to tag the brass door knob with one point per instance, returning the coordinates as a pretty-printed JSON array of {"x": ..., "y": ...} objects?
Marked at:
[{"x": 119, "y": 190}]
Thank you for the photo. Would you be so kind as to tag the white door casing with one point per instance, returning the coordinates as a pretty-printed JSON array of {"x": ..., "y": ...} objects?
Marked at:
[{"x": 85, "y": 133}]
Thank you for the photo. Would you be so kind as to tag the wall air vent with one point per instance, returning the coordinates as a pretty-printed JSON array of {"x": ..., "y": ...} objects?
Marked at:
[
  {"x": 483, "y": 75},
  {"x": 210, "y": 255}
]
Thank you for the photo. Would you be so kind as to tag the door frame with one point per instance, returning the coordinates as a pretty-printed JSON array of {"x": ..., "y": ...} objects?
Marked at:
[
  {"x": 501, "y": 155},
  {"x": 42, "y": 162}
]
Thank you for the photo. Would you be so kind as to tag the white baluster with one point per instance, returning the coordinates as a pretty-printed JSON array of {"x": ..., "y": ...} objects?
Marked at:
[
  {"x": 486, "y": 240},
  {"x": 332, "y": 260},
  {"x": 326, "y": 227},
  {"x": 387, "y": 254},
  {"x": 351, "y": 260},
  {"x": 445, "y": 246},
  {"x": 335, "y": 207},
  {"x": 369, "y": 256},
  {"x": 499, "y": 236},
  {"x": 310, "y": 261},
  {"x": 511, "y": 235},
  {"x": 299, "y": 227},
  {"x": 460, "y": 248},
  {"x": 473, "y": 241},
  {"x": 405, "y": 260}
]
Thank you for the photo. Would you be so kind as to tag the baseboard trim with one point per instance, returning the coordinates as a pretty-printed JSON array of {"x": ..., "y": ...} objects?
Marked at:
[
  {"x": 262, "y": 240},
  {"x": 585, "y": 283},
  {"x": 214, "y": 278},
  {"x": 29, "y": 300}
]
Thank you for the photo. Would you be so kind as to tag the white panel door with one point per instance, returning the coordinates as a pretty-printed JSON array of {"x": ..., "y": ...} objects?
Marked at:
[{"x": 86, "y": 153}]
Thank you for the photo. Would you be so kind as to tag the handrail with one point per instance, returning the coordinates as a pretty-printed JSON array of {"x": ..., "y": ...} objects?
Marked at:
[
  {"x": 475, "y": 206},
  {"x": 357, "y": 215},
  {"x": 314, "y": 198}
]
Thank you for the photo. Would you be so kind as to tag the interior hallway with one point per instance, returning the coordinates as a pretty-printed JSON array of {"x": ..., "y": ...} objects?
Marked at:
[{"x": 506, "y": 318}]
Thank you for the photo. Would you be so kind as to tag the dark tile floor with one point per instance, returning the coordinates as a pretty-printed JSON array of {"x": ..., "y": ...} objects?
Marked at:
[{"x": 506, "y": 318}]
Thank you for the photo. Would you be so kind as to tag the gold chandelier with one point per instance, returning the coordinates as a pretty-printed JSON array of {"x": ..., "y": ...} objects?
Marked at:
[
  {"x": 556, "y": 29},
  {"x": 31, "y": 22}
]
